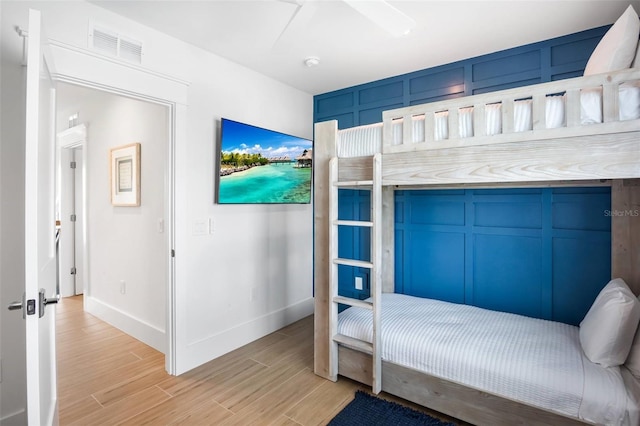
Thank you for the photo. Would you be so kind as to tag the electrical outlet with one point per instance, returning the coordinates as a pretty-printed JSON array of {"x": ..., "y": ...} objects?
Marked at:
[
  {"x": 123, "y": 287},
  {"x": 358, "y": 283}
]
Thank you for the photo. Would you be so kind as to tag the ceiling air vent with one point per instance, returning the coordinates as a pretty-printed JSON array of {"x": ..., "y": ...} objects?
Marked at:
[{"x": 113, "y": 44}]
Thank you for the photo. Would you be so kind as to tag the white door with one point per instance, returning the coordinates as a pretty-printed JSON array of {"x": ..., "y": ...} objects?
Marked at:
[
  {"x": 40, "y": 243},
  {"x": 78, "y": 234},
  {"x": 70, "y": 201}
]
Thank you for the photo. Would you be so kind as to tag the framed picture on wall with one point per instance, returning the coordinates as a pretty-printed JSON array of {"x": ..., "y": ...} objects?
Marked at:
[{"x": 124, "y": 163}]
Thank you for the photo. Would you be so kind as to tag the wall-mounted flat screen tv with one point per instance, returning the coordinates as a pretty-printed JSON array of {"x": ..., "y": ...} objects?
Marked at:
[{"x": 260, "y": 166}]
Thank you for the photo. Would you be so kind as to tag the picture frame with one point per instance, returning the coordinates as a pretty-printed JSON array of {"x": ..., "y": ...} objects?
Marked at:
[{"x": 124, "y": 171}]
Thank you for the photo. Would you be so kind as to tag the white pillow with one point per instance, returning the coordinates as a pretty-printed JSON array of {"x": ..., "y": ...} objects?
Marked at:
[
  {"x": 617, "y": 48},
  {"x": 608, "y": 329},
  {"x": 633, "y": 360}
]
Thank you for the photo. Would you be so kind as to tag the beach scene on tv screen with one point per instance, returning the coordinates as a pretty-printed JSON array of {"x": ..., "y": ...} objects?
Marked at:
[{"x": 263, "y": 166}]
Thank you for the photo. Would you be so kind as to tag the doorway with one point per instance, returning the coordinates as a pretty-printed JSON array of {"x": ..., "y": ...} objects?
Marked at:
[
  {"x": 70, "y": 209},
  {"x": 120, "y": 254}
]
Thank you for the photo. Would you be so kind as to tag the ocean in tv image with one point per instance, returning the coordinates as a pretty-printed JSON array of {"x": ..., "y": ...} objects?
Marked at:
[{"x": 263, "y": 166}]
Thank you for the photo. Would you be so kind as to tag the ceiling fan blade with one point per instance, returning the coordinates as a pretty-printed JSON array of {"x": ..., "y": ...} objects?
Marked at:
[
  {"x": 384, "y": 15},
  {"x": 303, "y": 14}
]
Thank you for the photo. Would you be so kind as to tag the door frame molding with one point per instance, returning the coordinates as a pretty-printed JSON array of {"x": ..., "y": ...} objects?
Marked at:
[{"x": 83, "y": 68}]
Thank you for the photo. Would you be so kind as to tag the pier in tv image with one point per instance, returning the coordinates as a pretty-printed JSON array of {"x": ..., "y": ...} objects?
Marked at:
[{"x": 260, "y": 166}]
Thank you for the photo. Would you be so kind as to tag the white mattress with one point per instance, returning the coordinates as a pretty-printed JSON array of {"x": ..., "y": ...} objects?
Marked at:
[
  {"x": 367, "y": 140},
  {"x": 531, "y": 360}
]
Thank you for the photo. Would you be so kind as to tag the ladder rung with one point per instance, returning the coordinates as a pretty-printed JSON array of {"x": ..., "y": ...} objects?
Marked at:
[
  {"x": 352, "y": 262},
  {"x": 361, "y": 223},
  {"x": 353, "y": 183},
  {"x": 353, "y": 302},
  {"x": 358, "y": 344}
]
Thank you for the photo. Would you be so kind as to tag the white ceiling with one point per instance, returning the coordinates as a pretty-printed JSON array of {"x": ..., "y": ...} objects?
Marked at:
[{"x": 351, "y": 48}]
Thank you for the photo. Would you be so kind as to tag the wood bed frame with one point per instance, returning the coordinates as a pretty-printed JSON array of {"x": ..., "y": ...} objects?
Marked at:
[{"x": 607, "y": 153}]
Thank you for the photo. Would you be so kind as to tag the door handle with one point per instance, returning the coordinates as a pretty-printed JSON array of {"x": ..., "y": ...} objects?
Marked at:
[
  {"x": 14, "y": 306},
  {"x": 44, "y": 301},
  {"x": 17, "y": 305},
  {"x": 31, "y": 304}
]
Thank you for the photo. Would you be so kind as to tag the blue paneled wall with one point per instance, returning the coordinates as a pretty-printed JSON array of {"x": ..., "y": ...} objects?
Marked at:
[
  {"x": 540, "y": 252},
  {"x": 545, "y": 61}
]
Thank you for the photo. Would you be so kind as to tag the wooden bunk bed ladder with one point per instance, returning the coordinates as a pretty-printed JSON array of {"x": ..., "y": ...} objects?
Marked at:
[{"x": 374, "y": 265}]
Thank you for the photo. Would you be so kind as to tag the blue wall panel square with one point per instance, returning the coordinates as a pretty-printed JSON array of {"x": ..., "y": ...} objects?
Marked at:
[
  {"x": 580, "y": 269},
  {"x": 441, "y": 81},
  {"x": 583, "y": 211},
  {"x": 437, "y": 212},
  {"x": 330, "y": 103},
  {"x": 516, "y": 213},
  {"x": 399, "y": 208},
  {"x": 436, "y": 265},
  {"x": 375, "y": 93},
  {"x": 508, "y": 274},
  {"x": 506, "y": 65},
  {"x": 436, "y": 208},
  {"x": 574, "y": 51}
]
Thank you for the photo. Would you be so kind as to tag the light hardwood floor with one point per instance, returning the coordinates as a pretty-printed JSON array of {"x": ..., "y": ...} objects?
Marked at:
[{"x": 106, "y": 377}]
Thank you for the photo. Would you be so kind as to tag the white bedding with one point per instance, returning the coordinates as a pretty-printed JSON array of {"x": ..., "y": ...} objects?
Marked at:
[
  {"x": 367, "y": 140},
  {"x": 534, "y": 361}
]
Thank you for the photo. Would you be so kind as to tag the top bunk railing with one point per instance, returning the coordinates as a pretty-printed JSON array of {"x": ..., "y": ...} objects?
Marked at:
[{"x": 590, "y": 105}]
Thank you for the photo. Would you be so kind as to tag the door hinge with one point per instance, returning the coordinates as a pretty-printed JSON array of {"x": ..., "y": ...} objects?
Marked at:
[
  {"x": 173, "y": 253},
  {"x": 72, "y": 164},
  {"x": 73, "y": 270},
  {"x": 73, "y": 218}
]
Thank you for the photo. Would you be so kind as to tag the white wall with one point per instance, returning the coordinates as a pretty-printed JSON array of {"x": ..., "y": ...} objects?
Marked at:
[
  {"x": 265, "y": 248},
  {"x": 124, "y": 243}
]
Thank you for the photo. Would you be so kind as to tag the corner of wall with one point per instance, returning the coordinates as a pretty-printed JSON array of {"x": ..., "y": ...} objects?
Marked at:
[
  {"x": 134, "y": 327},
  {"x": 240, "y": 335}
]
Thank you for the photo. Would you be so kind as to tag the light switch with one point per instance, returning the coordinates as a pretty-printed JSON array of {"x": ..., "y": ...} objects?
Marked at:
[{"x": 200, "y": 227}]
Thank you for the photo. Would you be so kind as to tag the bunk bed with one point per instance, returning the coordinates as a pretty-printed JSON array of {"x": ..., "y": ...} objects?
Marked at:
[{"x": 578, "y": 131}]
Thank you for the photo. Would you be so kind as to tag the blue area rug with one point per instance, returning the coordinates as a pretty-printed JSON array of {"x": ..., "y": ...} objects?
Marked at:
[{"x": 366, "y": 410}]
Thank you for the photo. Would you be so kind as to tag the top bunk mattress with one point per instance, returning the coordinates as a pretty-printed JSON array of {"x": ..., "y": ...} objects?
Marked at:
[
  {"x": 535, "y": 361},
  {"x": 367, "y": 140}
]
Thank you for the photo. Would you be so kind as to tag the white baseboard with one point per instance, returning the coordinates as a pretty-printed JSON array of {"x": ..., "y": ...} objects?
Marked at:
[
  {"x": 134, "y": 327},
  {"x": 197, "y": 353}
]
